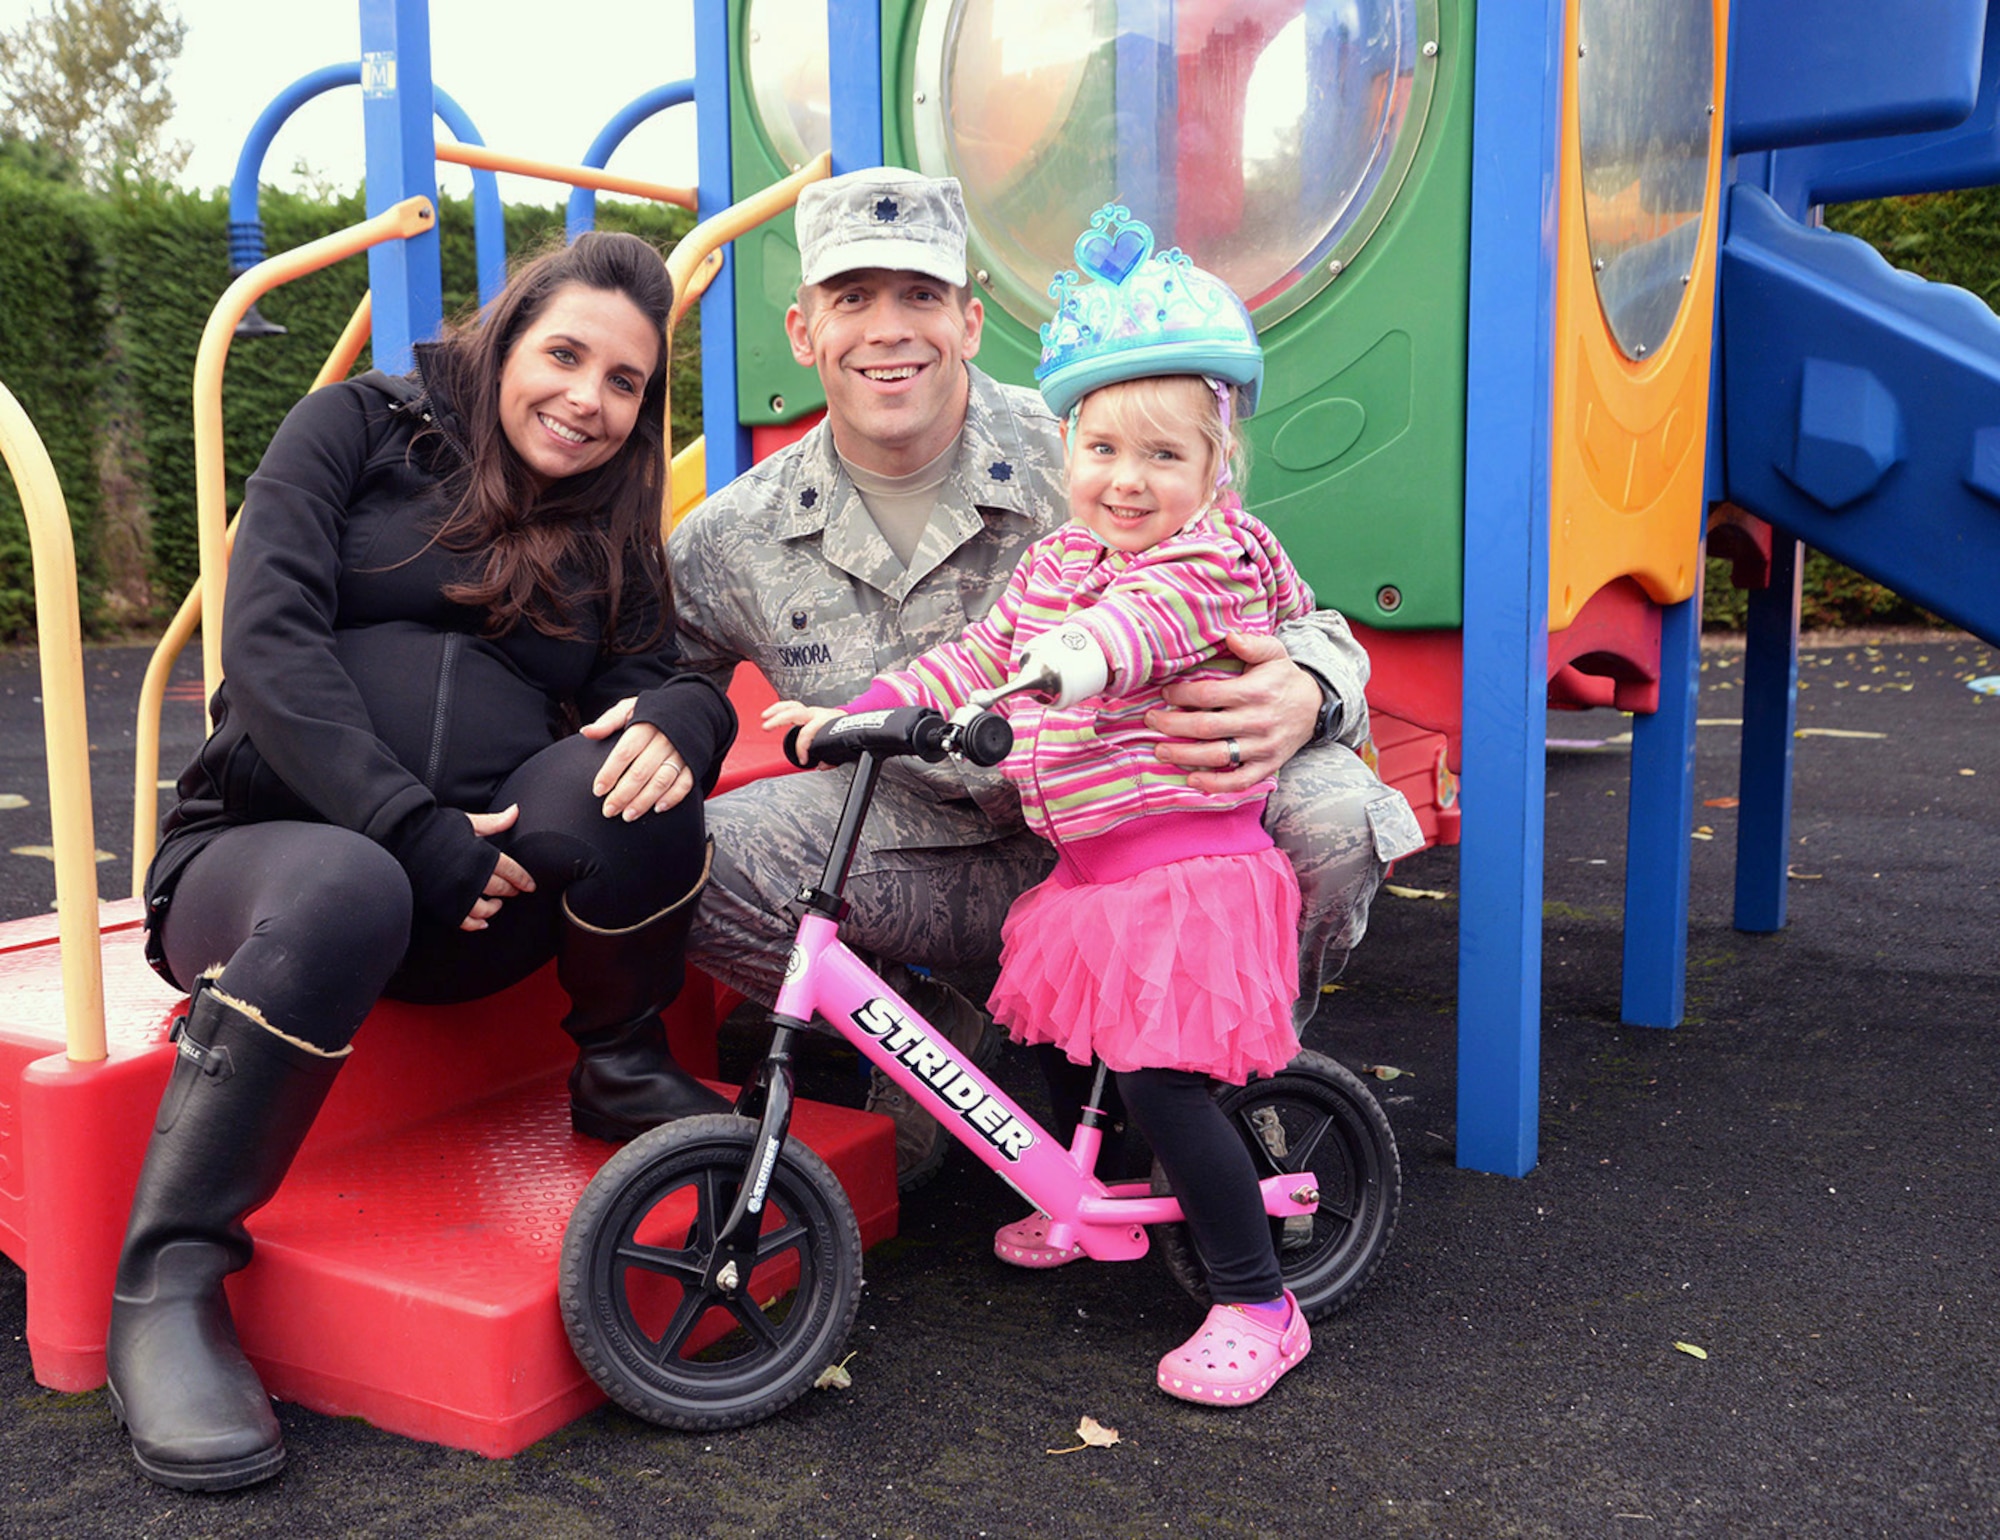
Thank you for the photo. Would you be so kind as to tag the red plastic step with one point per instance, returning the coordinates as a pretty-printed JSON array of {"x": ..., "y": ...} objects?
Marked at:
[
  {"x": 406, "y": 1271},
  {"x": 411, "y": 1280}
]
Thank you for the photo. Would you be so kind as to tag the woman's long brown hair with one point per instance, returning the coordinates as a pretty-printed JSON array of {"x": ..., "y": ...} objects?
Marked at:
[{"x": 586, "y": 537}]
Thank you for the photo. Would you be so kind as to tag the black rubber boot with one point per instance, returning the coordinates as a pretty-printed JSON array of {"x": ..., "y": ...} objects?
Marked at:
[
  {"x": 625, "y": 1080},
  {"x": 237, "y": 1107}
]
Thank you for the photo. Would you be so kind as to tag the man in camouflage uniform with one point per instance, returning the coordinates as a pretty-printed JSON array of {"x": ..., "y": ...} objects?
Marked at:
[{"x": 888, "y": 529}]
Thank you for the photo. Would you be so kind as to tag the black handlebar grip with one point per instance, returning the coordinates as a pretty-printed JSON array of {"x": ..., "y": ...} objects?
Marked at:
[
  {"x": 790, "y": 749},
  {"x": 987, "y": 739}
]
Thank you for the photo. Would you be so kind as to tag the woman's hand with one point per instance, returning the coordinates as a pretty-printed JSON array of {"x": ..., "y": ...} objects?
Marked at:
[
  {"x": 644, "y": 773},
  {"x": 1266, "y": 713},
  {"x": 510, "y": 878},
  {"x": 807, "y": 719}
]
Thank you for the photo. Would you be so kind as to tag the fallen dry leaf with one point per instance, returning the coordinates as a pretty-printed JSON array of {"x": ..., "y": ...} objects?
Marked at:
[
  {"x": 1833, "y": 732},
  {"x": 1094, "y": 1435},
  {"x": 835, "y": 1376},
  {"x": 1691, "y": 1350},
  {"x": 1722, "y": 802},
  {"x": 1385, "y": 1071},
  {"x": 1798, "y": 876},
  {"x": 1391, "y": 888}
]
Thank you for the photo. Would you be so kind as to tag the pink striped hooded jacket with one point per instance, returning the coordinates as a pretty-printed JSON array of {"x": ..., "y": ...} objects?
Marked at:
[{"x": 1160, "y": 615}]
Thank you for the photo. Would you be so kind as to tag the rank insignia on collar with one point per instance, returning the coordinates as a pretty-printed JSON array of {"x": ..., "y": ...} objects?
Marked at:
[
  {"x": 808, "y": 497},
  {"x": 1000, "y": 470}
]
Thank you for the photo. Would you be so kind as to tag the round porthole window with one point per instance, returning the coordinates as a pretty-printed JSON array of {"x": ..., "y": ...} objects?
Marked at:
[
  {"x": 1266, "y": 140},
  {"x": 784, "y": 65},
  {"x": 1645, "y": 111}
]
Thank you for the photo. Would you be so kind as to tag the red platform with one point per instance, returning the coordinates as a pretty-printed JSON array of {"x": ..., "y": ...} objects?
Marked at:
[{"x": 406, "y": 1271}]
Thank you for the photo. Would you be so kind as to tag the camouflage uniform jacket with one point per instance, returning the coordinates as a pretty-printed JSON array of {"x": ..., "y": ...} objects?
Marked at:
[{"x": 786, "y": 569}]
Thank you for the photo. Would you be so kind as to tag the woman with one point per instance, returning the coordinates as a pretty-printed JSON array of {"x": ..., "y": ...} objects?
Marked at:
[{"x": 435, "y": 580}]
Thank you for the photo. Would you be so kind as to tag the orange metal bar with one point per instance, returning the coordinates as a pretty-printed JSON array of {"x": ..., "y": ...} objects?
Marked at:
[
  {"x": 483, "y": 159},
  {"x": 64, "y": 726},
  {"x": 352, "y": 340},
  {"x": 412, "y": 216}
]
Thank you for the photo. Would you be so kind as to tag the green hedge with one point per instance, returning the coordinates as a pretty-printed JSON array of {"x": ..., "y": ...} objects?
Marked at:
[
  {"x": 53, "y": 358},
  {"x": 102, "y": 304},
  {"x": 103, "y": 299}
]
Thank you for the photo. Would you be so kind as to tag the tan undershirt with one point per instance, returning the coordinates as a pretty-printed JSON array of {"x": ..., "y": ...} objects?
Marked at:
[{"x": 901, "y": 506}]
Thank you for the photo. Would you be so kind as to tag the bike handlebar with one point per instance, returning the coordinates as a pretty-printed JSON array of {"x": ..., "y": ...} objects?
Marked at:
[{"x": 978, "y": 737}]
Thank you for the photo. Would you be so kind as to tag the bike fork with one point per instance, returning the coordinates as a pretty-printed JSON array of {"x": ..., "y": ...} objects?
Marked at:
[{"x": 769, "y": 1099}]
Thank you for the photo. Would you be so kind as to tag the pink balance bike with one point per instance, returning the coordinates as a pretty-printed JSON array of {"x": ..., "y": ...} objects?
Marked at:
[{"x": 712, "y": 1269}]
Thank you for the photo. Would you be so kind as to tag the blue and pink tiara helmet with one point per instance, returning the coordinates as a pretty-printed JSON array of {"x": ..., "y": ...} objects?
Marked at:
[{"x": 1142, "y": 313}]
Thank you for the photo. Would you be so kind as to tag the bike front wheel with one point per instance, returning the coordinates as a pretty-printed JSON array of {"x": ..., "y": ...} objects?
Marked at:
[
  {"x": 1313, "y": 1115},
  {"x": 644, "y": 1317}
]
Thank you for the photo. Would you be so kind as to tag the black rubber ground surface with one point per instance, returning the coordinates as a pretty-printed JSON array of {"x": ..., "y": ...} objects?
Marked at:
[{"x": 1803, "y": 1180}]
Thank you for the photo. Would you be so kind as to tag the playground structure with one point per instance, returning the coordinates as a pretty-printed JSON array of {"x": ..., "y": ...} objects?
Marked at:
[{"x": 1563, "y": 301}]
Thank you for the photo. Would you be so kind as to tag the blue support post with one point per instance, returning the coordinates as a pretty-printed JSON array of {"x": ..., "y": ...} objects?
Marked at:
[
  {"x": 1770, "y": 708},
  {"x": 854, "y": 74},
  {"x": 1659, "y": 852},
  {"x": 1146, "y": 108},
  {"x": 727, "y": 444},
  {"x": 1509, "y": 369},
  {"x": 404, "y": 276}
]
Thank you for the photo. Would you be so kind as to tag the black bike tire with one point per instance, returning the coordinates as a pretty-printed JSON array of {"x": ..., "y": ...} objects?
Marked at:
[
  {"x": 1336, "y": 1265},
  {"x": 710, "y": 1153}
]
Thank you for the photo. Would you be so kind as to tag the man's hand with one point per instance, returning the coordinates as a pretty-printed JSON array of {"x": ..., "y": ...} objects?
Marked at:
[
  {"x": 1267, "y": 711},
  {"x": 509, "y": 878}
]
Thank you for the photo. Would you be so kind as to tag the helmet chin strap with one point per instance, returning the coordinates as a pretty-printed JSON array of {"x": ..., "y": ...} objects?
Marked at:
[{"x": 1223, "y": 398}]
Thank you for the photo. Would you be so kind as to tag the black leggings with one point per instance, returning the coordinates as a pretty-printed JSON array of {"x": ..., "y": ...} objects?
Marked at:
[
  {"x": 313, "y": 923},
  {"x": 1204, "y": 1159}
]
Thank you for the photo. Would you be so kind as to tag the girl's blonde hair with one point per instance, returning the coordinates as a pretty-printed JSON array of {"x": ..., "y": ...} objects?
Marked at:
[{"x": 1177, "y": 406}]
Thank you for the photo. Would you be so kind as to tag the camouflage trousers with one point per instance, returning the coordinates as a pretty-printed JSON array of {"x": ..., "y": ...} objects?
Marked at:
[{"x": 918, "y": 896}]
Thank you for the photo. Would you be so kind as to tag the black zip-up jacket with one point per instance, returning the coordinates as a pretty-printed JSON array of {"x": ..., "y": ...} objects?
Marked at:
[{"x": 357, "y": 694}]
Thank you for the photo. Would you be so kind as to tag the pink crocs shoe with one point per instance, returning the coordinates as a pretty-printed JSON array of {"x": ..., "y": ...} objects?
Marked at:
[
  {"x": 1236, "y": 1356},
  {"x": 1025, "y": 1243}
]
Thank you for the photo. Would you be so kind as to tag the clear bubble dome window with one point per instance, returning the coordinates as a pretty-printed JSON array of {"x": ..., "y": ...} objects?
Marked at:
[{"x": 1266, "y": 138}]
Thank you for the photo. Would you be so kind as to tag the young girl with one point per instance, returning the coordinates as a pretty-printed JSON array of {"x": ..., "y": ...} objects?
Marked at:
[{"x": 1165, "y": 942}]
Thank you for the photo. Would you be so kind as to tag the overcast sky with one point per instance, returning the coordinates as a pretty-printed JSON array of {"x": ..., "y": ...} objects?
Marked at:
[{"x": 536, "y": 81}]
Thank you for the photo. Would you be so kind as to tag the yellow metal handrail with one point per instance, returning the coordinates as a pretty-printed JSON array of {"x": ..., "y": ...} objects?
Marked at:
[
  {"x": 410, "y": 217},
  {"x": 64, "y": 727},
  {"x": 697, "y": 257},
  {"x": 153, "y": 689},
  {"x": 413, "y": 216}
]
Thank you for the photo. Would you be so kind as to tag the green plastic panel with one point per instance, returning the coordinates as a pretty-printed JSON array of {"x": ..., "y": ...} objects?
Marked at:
[{"x": 1358, "y": 451}]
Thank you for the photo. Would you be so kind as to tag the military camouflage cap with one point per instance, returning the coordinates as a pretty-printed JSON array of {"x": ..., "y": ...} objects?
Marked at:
[{"x": 883, "y": 217}]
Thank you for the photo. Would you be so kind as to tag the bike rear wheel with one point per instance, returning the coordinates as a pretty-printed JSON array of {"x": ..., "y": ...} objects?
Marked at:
[
  {"x": 1313, "y": 1115},
  {"x": 662, "y": 1340}
]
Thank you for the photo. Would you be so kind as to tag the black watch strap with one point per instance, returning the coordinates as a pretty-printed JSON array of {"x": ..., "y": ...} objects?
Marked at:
[{"x": 1326, "y": 726}]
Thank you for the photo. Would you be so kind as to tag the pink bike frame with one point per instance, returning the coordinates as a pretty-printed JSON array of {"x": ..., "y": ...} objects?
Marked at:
[{"x": 823, "y": 976}]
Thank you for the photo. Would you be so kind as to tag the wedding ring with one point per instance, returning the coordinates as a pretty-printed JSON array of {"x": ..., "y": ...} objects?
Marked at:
[{"x": 1235, "y": 754}]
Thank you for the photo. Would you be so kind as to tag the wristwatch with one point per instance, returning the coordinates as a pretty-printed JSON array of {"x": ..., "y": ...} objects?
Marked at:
[{"x": 1326, "y": 726}]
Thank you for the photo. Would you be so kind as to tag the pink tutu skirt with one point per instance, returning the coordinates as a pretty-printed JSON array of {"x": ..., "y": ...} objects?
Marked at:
[{"x": 1190, "y": 965}]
